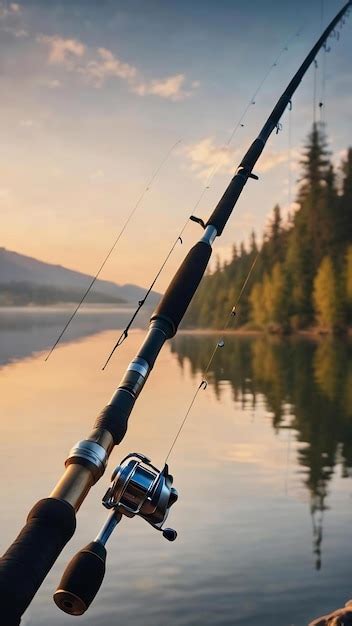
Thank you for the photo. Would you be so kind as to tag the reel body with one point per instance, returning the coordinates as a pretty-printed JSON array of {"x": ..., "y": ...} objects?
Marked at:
[{"x": 138, "y": 488}]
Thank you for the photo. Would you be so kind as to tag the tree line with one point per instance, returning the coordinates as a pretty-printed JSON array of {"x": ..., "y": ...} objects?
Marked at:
[
  {"x": 303, "y": 271},
  {"x": 24, "y": 293}
]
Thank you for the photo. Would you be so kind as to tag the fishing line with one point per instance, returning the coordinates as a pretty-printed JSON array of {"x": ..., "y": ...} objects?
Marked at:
[
  {"x": 141, "y": 303},
  {"x": 288, "y": 459},
  {"x": 124, "y": 333},
  {"x": 315, "y": 70},
  {"x": 251, "y": 102},
  {"x": 289, "y": 189},
  {"x": 325, "y": 50},
  {"x": 56, "y": 515},
  {"x": 322, "y": 104},
  {"x": 239, "y": 124},
  {"x": 321, "y": 14},
  {"x": 220, "y": 344},
  {"x": 131, "y": 214}
]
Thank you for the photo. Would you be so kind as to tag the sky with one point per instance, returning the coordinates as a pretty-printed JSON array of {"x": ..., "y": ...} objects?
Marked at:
[{"x": 95, "y": 94}]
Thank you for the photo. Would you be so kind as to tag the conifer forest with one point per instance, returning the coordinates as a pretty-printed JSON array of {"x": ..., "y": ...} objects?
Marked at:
[{"x": 302, "y": 278}]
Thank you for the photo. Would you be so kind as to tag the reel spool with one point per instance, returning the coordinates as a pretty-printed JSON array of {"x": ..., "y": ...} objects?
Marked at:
[{"x": 138, "y": 489}]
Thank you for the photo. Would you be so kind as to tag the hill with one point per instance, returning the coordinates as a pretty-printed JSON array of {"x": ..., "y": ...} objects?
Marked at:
[{"x": 26, "y": 280}]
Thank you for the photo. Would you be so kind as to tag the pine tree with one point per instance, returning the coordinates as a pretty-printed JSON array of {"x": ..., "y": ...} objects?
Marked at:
[
  {"x": 310, "y": 254},
  {"x": 348, "y": 285},
  {"x": 276, "y": 300},
  {"x": 314, "y": 162},
  {"x": 299, "y": 275},
  {"x": 315, "y": 165},
  {"x": 276, "y": 250},
  {"x": 253, "y": 243},
  {"x": 329, "y": 241},
  {"x": 343, "y": 226},
  {"x": 326, "y": 296},
  {"x": 258, "y": 313}
]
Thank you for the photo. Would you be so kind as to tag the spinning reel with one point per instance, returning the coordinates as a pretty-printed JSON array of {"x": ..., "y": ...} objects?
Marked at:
[{"x": 138, "y": 488}]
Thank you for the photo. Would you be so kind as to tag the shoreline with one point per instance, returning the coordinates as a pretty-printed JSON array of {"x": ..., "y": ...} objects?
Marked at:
[
  {"x": 313, "y": 333},
  {"x": 108, "y": 308}
]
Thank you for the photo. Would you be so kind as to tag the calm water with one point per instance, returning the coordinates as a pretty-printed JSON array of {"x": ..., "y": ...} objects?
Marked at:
[{"x": 262, "y": 467}]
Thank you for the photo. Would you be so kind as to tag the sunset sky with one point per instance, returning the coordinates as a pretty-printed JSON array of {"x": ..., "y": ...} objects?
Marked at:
[{"x": 94, "y": 94}]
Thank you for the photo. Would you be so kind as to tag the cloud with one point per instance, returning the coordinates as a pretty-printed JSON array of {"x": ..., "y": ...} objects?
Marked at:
[
  {"x": 62, "y": 51},
  {"x": 270, "y": 160},
  {"x": 10, "y": 18},
  {"x": 206, "y": 157},
  {"x": 171, "y": 88},
  {"x": 107, "y": 65},
  {"x": 16, "y": 32},
  {"x": 53, "y": 84},
  {"x": 97, "y": 177},
  {"x": 20, "y": 32},
  {"x": 9, "y": 10},
  {"x": 103, "y": 65},
  {"x": 27, "y": 123}
]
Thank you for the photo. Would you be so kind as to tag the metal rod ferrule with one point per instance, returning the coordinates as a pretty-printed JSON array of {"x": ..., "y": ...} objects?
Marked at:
[
  {"x": 210, "y": 234},
  {"x": 91, "y": 454},
  {"x": 139, "y": 365}
]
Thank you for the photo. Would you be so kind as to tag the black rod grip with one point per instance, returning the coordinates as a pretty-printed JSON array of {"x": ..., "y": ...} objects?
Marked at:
[
  {"x": 114, "y": 417},
  {"x": 23, "y": 567},
  {"x": 81, "y": 580},
  {"x": 225, "y": 206},
  {"x": 183, "y": 286}
]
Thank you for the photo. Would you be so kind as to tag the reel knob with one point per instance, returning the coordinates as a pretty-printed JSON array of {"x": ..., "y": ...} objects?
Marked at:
[{"x": 170, "y": 534}]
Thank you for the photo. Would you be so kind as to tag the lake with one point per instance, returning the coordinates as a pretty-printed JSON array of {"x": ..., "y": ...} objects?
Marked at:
[{"x": 263, "y": 468}]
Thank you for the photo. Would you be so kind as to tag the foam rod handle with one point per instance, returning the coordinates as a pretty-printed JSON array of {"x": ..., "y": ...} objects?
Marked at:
[
  {"x": 50, "y": 524},
  {"x": 181, "y": 290},
  {"x": 82, "y": 579}
]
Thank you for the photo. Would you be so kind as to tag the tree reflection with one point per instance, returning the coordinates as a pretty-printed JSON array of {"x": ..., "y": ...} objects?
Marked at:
[{"x": 311, "y": 380}]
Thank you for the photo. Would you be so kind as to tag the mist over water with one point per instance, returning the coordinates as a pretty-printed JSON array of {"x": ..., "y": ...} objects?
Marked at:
[
  {"x": 262, "y": 467},
  {"x": 24, "y": 331}
]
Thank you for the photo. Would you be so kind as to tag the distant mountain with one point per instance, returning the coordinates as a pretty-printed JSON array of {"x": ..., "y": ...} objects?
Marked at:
[{"x": 24, "y": 274}]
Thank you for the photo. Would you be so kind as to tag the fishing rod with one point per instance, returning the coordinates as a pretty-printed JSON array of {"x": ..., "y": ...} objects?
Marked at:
[
  {"x": 239, "y": 124},
  {"x": 138, "y": 488}
]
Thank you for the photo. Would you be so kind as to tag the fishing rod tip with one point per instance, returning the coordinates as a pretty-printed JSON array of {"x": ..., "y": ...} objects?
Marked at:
[{"x": 105, "y": 364}]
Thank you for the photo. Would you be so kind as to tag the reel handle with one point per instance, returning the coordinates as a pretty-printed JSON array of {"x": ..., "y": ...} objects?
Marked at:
[{"x": 82, "y": 579}]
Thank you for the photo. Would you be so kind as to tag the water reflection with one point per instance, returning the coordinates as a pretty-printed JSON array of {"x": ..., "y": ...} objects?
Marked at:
[
  {"x": 279, "y": 431},
  {"x": 306, "y": 386},
  {"x": 25, "y": 331}
]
